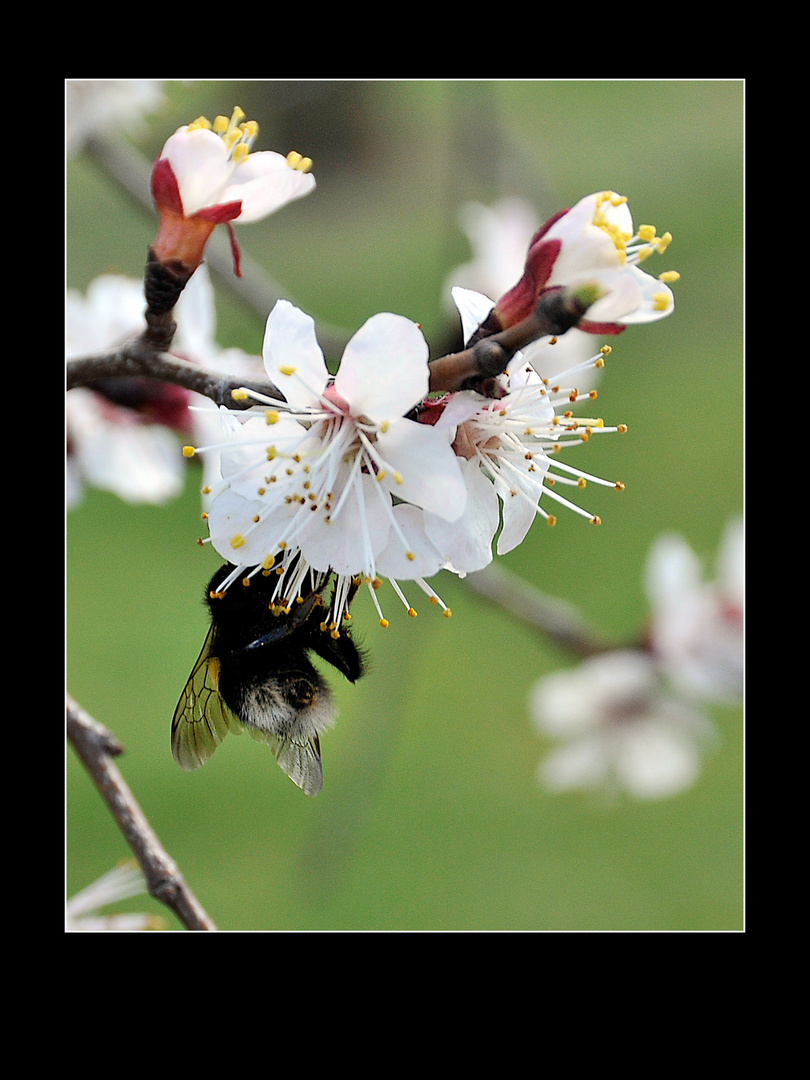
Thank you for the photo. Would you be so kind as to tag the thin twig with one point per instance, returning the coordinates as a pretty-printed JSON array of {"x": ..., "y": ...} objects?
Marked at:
[
  {"x": 550, "y": 616},
  {"x": 136, "y": 358},
  {"x": 96, "y": 748}
]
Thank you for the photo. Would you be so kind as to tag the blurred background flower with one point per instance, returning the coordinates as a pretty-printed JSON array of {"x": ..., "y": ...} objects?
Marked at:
[{"x": 635, "y": 719}]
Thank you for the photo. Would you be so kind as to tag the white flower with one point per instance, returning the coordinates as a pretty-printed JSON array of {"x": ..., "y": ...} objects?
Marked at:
[
  {"x": 620, "y": 729},
  {"x": 324, "y": 471},
  {"x": 697, "y": 626},
  {"x": 510, "y": 448},
  {"x": 81, "y": 910},
  {"x": 594, "y": 242},
  {"x": 122, "y": 440},
  {"x": 206, "y": 175},
  {"x": 499, "y": 236},
  {"x": 98, "y": 106}
]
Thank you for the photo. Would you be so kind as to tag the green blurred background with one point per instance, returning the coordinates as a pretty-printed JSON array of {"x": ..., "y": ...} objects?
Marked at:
[{"x": 431, "y": 818}]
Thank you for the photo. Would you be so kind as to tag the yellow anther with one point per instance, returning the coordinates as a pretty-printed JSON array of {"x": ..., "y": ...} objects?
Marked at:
[
  {"x": 593, "y": 394},
  {"x": 384, "y": 623},
  {"x": 669, "y": 275},
  {"x": 203, "y": 516},
  {"x": 237, "y": 116},
  {"x": 448, "y": 614},
  {"x": 596, "y": 521},
  {"x": 298, "y": 161},
  {"x": 335, "y": 634},
  {"x": 200, "y": 123},
  {"x": 381, "y": 474},
  {"x": 220, "y": 124},
  {"x": 552, "y": 520},
  {"x": 240, "y": 152},
  {"x": 412, "y": 612},
  {"x": 582, "y": 482},
  {"x": 619, "y": 485},
  {"x": 399, "y": 477},
  {"x": 271, "y": 416},
  {"x": 661, "y": 301},
  {"x": 287, "y": 370},
  {"x": 606, "y": 350},
  {"x": 268, "y": 562},
  {"x": 410, "y": 556},
  {"x": 188, "y": 451},
  {"x": 663, "y": 242},
  {"x": 271, "y": 453},
  {"x": 239, "y": 395},
  {"x": 231, "y": 138},
  {"x": 646, "y": 232},
  {"x": 622, "y": 429},
  {"x": 237, "y": 540}
]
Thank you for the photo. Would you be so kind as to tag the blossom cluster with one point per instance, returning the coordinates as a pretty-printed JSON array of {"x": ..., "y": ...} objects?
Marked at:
[
  {"x": 635, "y": 719},
  {"x": 368, "y": 475}
]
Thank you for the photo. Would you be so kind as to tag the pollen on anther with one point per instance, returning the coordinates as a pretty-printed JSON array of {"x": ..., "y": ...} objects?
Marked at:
[
  {"x": 412, "y": 612},
  {"x": 188, "y": 451},
  {"x": 237, "y": 540},
  {"x": 239, "y": 395},
  {"x": 619, "y": 485},
  {"x": 384, "y": 623}
]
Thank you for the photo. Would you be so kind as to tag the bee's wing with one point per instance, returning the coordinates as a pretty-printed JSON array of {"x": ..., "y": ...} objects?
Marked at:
[
  {"x": 201, "y": 719},
  {"x": 300, "y": 759}
]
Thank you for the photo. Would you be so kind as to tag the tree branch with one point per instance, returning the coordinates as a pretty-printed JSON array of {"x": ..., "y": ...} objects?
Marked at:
[
  {"x": 475, "y": 368},
  {"x": 138, "y": 358},
  {"x": 96, "y": 747},
  {"x": 549, "y": 616}
]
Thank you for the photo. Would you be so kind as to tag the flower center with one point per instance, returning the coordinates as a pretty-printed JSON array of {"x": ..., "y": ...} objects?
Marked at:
[{"x": 237, "y": 133}]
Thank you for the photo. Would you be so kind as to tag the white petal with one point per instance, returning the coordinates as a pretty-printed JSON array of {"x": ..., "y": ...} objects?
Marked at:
[
  {"x": 473, "y": 307},
  {"x": 429, "y": 470},
  {"x": 199, "y": 161},
  {"x": 230, "y": 517},
  {"x": 581, "y": 764},
  {"x": 264, "y": 182},
  {"x": 409, "y": 553},
  {"x": 654, "y": 762},
  {"x": 292, "y": 357},
  {"x": 467, "y": 541},
  {"x": 384, "y": 372},
  {"x": 349, "y": 541}
]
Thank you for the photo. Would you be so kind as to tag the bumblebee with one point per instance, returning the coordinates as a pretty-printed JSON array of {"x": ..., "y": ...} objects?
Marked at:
[{"x": 254, "y": 672}]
